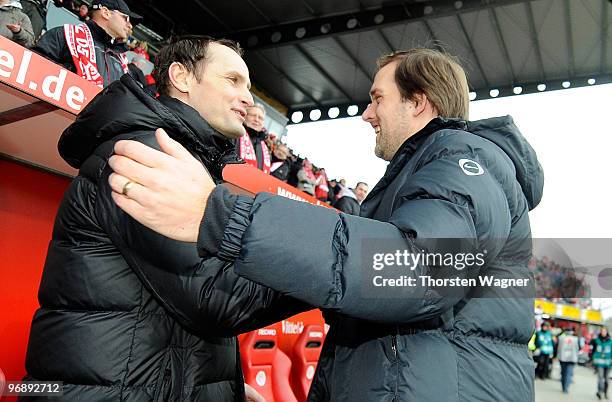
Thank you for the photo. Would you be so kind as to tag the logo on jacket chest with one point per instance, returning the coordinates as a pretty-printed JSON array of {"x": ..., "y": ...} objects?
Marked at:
[{"x": 470, "y": 167}]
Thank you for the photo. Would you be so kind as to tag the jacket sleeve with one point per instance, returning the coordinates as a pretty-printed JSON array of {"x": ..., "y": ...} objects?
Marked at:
[
  {"x": 202, "y": 294},
  {"x": 325, "y": 258}
]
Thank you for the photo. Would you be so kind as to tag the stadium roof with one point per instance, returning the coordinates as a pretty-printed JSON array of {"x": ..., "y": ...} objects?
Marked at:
[{"x": 320, "y": 54}]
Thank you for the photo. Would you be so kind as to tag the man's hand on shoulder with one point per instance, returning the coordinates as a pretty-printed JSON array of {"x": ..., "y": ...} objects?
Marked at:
[{"x": 165, "y": 191}]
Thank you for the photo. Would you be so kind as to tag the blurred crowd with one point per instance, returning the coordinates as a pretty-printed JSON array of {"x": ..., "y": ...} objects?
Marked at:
[
  {"x": 560, "y": 284},
  {"x": 268, "y": 153},
  {"x": 570, "y": 344}
]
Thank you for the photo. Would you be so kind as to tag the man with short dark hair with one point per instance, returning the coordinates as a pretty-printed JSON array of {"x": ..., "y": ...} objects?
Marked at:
[
  {"x": 95, "y": 50},
  {"x": 361, "y": 191},
  {"x": 126, "y": 314},
  {"x": 400, "y": 329}
]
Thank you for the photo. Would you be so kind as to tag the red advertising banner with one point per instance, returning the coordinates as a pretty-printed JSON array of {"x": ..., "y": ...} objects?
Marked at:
[
  {"x": 254, "y": 181},
  {"x": 33, "y": 74}
]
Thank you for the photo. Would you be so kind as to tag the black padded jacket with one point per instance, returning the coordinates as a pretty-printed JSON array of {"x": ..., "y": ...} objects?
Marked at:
[{"x": 126, "y": 314}]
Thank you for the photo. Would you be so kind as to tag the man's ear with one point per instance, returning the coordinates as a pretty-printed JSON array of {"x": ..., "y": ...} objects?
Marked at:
[
  {"x": 180, "y": 78},
  {"x": 106, "y": 13},
  {"x": 420, "y": 102}
]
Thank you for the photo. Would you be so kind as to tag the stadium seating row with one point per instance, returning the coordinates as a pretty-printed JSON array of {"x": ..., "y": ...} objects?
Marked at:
[{"x": 274, "y": 374}]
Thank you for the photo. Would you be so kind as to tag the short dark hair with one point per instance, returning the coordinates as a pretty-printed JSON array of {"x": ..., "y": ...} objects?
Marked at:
[
  {"x": 361, "y": 182},
  {"x": 189, "y": 50}
]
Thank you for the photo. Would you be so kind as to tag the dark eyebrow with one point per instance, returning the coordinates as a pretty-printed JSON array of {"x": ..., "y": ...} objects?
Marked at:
[{"x": 374, "y": 92}]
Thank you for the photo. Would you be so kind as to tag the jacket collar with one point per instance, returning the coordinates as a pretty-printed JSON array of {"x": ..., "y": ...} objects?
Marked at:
[
  {"x": 410, "y": 146},
  {"x": 217, "y": 149}
]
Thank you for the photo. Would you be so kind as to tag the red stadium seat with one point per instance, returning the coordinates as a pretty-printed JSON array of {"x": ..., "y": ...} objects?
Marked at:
[
  {"x": 306, "y": 352},
  {"x": 281, "y": 369},
  {"x": 266, "y": 368}
]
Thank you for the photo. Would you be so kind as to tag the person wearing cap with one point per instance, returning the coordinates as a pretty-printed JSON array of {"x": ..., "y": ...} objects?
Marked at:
[{"x": 103, "y": 59}]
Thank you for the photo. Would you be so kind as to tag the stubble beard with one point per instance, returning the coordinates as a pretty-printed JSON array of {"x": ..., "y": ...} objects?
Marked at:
[{"x": 381, "y": 150}]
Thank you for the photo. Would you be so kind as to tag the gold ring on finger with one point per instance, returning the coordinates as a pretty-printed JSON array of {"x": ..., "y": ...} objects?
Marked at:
[{"x": 126, "y": 187}]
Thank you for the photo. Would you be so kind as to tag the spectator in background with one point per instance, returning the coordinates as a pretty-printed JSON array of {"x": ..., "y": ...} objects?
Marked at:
[
  {"x": 567, "y": 353},
  {"x": 544, "y": 342},
  {"x": 142, "y": 48},
  {"x": 321, "y": 189},
  {"x": 333, "y": 189},
  {"x": 270, "y": 141},
  {"x": 83, "y": 13},
  {"x": 361, "y": 191},
  {"x": 306, "y": 178},
  {"x": 601, "y": 349},
  {"x": 251, "y": 146},
  {"x": 348, "y": 202},
  {"x": 280, "y": 165},
  {"x": 67, "y": 4},
  {"x": 106, "y": 32},
  {"x": 295, "y": 165},
  {"x": 36, "y": 10},
  {"x": 350, "y": 199},
  {"x": 15, "y": 24},
  {"x": 339, "y": 190}
]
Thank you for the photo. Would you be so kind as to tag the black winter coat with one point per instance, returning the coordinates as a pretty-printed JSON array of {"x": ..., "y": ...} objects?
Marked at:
[
  {"x": 282, "y": 172},
  {"x": 126, "y": 314},
  {"x": 348, "y": 205},
  {"x": 52, "y": 45},
  {"x": 457, "y": 180}
]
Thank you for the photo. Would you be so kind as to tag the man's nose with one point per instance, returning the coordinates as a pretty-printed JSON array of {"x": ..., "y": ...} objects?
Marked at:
[
  {"x": 246, "y": 98},
  {"x": 368, "y": 114}
]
